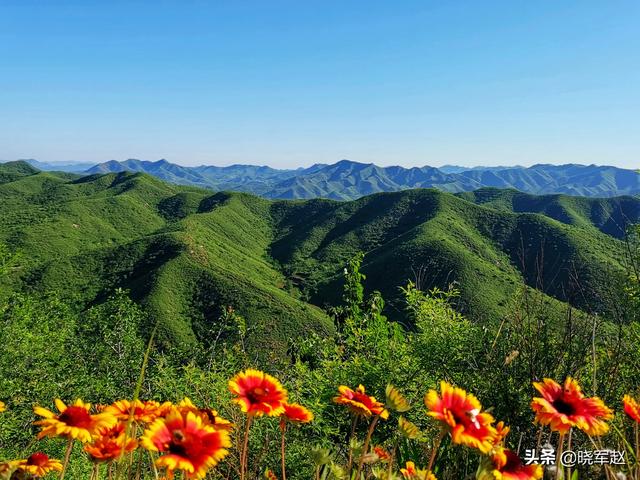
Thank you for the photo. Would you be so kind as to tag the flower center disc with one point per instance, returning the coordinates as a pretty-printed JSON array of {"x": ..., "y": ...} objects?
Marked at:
[
  {"x": 38, "y": 459},
  {"x": 563, "y": 407},
  {"x": 76, "y": 417}
]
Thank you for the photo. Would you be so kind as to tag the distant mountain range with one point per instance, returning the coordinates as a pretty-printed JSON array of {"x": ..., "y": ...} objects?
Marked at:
[
  {"x": 74, "y": 167},
  {"x": 348, "y": 180}
]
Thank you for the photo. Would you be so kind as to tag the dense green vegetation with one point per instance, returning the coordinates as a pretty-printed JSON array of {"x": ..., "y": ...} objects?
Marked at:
[
  {"x": 185, "y": 254},
  {"x": 97, "y": 355},
  {"x": 490, "y": 291}
]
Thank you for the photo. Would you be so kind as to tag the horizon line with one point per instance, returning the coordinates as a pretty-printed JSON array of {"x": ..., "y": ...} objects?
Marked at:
[{"x": 444, "y": 165}]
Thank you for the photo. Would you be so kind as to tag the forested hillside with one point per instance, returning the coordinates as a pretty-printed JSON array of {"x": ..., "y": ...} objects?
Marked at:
[{"x": 186, "y": 253}]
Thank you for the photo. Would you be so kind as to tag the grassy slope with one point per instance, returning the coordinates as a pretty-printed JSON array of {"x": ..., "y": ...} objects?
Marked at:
[
  {"x": 187, "y": 253},
  {"x": 184, "y": 254},
  {"x": 609, "y": 215},
  {"x": 448, "y": 239}
]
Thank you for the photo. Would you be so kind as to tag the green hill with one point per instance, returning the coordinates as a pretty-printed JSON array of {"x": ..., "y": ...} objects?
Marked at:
[
  {"x": 186, "y": 253},
  {"x": 437, "y": 238},
  {"x": 11, "y": 171},
  {"x": 610, "y": 215},
  {"x": 183, "y": 254}
]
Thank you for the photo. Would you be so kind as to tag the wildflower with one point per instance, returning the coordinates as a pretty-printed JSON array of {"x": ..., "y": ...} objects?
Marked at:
[
  {"x": 293, "y": 413},
  {"x": 382, "y": 454},
  {"x": 38, "y": 465},
  {"x": 504, "y": 464},
  {"x": 3, "y": 407},
  {"x": 186, "y": 405},
  {"x": 139, "y": 411},
  {"x": 216, "y": 420},
  {"x": 111, "y": 444},
  {"x": 360, "y": 403},
  {"x": 187, "y": 442},
  {"x": 73, "y": 422},
  {"x": 461, "y": 413},
  {"x": 208, "y": 415},
  {"x": 501, "y": 432},
  {"x": 411, "y": 472},
  {"x": 566, "y": 407},
  {"x": 296, "y": 413},
  {"x": 258, "y": 393},
  {"x": 631, "y": 408},
  {"x": 269, "y": 475}
]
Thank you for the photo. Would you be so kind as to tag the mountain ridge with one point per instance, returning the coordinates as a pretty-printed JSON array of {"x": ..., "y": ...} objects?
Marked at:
[
  {"x": 348, "y": 180},
  {"x": 187, "y": 252}
]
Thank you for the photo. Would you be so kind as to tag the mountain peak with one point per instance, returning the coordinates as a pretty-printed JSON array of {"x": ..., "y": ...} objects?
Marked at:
[
  {"x": 349, "y": 179},
  {"x": 345, "y": 161}
]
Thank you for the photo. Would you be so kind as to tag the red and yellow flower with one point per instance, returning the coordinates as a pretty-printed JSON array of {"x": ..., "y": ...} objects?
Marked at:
[
  {"x": 631, "y": 408},
  {"x": 296, "y": 413},
  {"x": 187, "y": 443},
  {"x": 38, "y": 465},
  {"x": 461, "y": 413},
  {"x": 411, "y": 472},
  {"x": 208, "y": 415},
  {"x": 111, "y": 444},
  {"x": 501, "y": 433},
  {"x": 258, "y": 393},
  {"x": 139, "y": 411},
  {"x": 563, "y": 407},
  {"x": 504, "y": 464},
  {"x": 74, "y": 421},
  {"x": 360, "y": 403},
  {"x": 215, "y": 420},
  {"x": 269, "y": 475},
  {"x": 382, "y": 454}
]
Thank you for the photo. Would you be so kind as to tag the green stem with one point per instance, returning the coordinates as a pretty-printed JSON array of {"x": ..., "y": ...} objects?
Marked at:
[
  {"x": 139, "y": 467},
  {"x": 559, "y": 456},
  {"x": 569, "y": 448},
  {"x": 354, "y": 422},
  {"x": 434, "y": 452},
  {"x": 392, "y": 459},
  {"x": 245, "y": 448},
  {"x": 94, "y": 472},
  {"x": 539, "y": 441},
  {"x": 136, "y": 396},
  {"x": 153, "y": 466},
  {"x": 366, "y": 445},
  {"x": 67, "y": 456},
  {"x": 283, "y": 428}
]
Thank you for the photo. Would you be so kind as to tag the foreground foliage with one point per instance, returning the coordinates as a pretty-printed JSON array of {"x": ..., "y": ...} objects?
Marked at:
[
  {"x": 194, "y": 441},
  {"x": 51, "y": 350}
]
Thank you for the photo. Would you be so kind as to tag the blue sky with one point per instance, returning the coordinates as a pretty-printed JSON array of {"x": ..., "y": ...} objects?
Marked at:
[{"x": 291, "y": 83}]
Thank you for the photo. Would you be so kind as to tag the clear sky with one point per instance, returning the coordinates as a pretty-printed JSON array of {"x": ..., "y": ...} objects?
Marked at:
[{"x": 291, "y": 83}]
